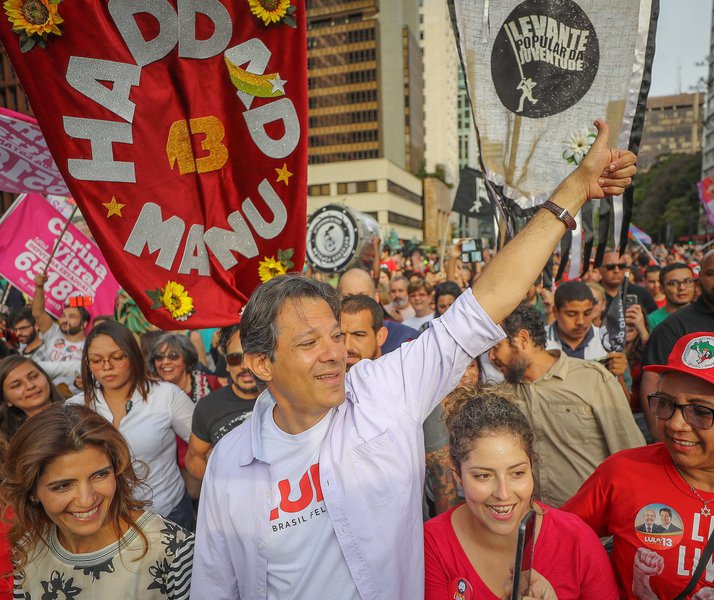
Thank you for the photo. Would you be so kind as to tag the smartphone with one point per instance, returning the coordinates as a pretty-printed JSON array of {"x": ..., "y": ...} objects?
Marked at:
[
  {"x": 630, "y": 299},
  {"x": 524, "y": 555}
]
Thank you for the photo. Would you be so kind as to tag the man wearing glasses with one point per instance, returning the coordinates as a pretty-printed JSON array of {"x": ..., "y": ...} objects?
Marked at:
[
  {"x": 223, "y": 410},
  {"x": 698, "y": 316},
  {"x": 613, "y": 270},
  {"x": 677, "y": 474},
  {"x": 420, "y": 298},
  {"x": 678, "y": 284},
  {"x": 25, "y": 327}
]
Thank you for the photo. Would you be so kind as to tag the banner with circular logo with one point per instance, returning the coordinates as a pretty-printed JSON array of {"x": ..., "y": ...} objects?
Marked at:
[
  {"x": 547, "y": 51},
  {"x": 539, "y": 72},
  {"x": 180, "y": 129},
  {"x": 339, "y": 237}
]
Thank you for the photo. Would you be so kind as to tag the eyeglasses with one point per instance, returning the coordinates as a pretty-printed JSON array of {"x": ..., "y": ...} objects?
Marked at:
[
  {"x": 167, "y": 356},
  {"x": 675, "y": 283},
  {"x": 698, "y": 417},
  {"x": 613, "y": 266},
  {"x": 116, "y": 360},
  {"x": 234, "y": 359}
]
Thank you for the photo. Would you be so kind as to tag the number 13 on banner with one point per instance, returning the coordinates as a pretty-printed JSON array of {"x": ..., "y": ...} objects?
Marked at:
[{"x": 179, "y": 148}]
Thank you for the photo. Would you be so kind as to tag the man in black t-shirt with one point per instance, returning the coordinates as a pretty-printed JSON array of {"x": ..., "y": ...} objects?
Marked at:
[
  {"x": 698, "y": 316},
  {"x": 223, "y": 410}
]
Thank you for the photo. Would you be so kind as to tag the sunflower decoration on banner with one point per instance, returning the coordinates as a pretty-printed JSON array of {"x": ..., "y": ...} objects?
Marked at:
[
  {"x": 33, "y": 21},
  {"x": 272, "y": 267},
  {"x": 174, "y": 298},
  {"x": 181, "y": 129},
  {"x": 273, "y": 11}
]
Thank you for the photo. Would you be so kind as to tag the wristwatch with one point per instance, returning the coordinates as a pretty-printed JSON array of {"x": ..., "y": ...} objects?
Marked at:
[{"x": 561, "y": 213}]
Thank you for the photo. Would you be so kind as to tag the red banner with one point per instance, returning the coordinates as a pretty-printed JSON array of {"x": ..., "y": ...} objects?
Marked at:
[{"x": 180, "y": 127}]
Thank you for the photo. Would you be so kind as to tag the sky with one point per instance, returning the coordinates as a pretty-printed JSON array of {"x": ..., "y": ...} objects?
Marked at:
[{"x": 683, "y": 32}]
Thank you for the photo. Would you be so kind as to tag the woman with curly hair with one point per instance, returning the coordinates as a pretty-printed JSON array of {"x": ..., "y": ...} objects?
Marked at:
[
  {"x": 25, "y": 391},
  {"x": 78, "y": 529},
  {"x": 473, "y": 546}
]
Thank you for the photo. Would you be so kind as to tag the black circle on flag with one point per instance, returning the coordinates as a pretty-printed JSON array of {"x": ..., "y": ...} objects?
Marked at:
[{"x": 545, "y": 57}]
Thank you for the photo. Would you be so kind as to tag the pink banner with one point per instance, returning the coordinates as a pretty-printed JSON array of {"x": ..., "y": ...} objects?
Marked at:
[
  {"x": 28, "y": 234},
  {"x": 25, "y": 162}
]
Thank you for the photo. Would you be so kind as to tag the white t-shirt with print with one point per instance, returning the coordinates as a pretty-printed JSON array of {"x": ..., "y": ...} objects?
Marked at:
[
  {"x": 58, "y": 349},
  {"x": 304, "y": 557}
]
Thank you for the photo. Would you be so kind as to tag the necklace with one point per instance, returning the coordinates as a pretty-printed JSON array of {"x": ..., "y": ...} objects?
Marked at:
[{"x": 705, "y": 510}]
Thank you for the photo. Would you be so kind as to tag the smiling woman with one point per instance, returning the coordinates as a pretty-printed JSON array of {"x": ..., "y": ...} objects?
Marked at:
[
  {"x": 472, "y": 546},
  {"x": 25, "y": 390},
  {"x": 672, "y": 481},
  {"x": 79, "y": 531},
  {"x": 174, "y": 359}
]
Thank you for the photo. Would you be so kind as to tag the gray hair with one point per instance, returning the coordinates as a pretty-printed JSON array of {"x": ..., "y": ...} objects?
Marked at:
[
  {"x": 177, "y": 343},
  {"x": 258, "y": 326}
]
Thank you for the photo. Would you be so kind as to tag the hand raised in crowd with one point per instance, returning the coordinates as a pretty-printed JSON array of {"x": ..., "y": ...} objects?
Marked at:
[
  {"x": 539, "y": 587},
  {"x": 40, "y": 279},
  {"x": 616, "y": 363},
  {"x": 634, "y": 316},
  {"x": 605, "y": 171}
]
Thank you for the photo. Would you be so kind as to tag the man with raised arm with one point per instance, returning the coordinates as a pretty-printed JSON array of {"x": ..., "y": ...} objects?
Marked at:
[{"x": 319, "y": 494}]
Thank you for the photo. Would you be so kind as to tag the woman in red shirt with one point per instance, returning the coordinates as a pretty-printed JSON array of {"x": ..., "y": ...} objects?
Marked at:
[{"x": 470, "y": 549}]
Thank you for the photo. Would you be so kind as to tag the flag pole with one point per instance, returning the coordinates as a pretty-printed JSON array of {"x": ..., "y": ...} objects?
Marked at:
[
  {"x": 59, "y": 239},
  {"x": 645, "y": 249}
]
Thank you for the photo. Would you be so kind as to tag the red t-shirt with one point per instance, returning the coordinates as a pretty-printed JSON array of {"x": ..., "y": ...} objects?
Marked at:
[
  {"x": 567, "y": 553},
  {"x": 614, "y": 501},
  {"x": 5, "y": 558}
]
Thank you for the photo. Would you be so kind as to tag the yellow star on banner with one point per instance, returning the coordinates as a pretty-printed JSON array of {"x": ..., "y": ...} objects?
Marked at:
[
  {"x": 113, "y": 207},
  {"x": 283, "y": 174}
]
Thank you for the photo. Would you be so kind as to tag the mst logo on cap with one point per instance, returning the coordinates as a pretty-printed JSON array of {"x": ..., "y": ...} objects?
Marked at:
[
  {"x": 699, "y": 353},
  {"x": 692, "y": 354},
  {"x": 544, "y": 58}
]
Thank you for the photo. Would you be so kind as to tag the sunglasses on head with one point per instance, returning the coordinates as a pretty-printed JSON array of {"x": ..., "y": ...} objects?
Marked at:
[
  {"x": 167, "y": 356},
  {"x": 613, "y": 266},
  {"x": 234, "y": 359}
]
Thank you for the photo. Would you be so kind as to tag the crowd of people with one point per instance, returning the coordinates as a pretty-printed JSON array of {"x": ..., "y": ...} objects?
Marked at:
[{"x": 382, "y": 437}]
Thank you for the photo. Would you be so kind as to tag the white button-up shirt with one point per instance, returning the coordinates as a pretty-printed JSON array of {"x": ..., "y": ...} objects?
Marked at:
[{"x": 371, "y": 470}]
